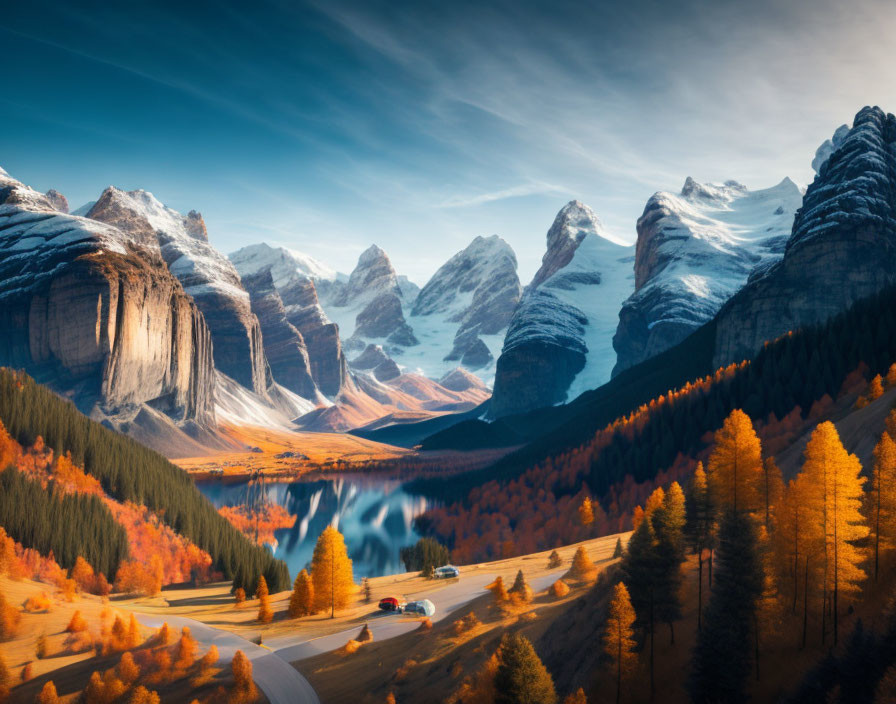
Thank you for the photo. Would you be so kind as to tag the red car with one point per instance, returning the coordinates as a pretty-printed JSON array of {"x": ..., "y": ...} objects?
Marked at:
[{"x": 390, "y": 603}]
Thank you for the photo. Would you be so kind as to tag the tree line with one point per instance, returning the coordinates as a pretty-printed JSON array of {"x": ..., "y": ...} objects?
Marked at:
[
  {"x": 129, "y": 471},
  {"x": 64, "y": 525}
]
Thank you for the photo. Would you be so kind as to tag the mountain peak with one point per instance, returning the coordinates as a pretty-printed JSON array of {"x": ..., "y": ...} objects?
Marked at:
[{"x": 573, "y": 223}]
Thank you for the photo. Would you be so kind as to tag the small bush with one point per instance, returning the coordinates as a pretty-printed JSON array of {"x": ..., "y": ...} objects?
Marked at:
[
  {"x": 554, "y": 560},
  {"x": 559, "y": 589},
  {"x": 465, "y": 624},
  {"x": 37, "y": 603}
]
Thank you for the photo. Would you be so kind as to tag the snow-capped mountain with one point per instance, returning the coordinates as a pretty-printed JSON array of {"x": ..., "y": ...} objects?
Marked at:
[
  {"x": 695, "y": 250},
  {"x": 85, "y": 310},
  {"x": 208, "y": 276},
  {"x": 370, "y": 305},
  {"x": 843, "y": 246},
  {"x": 559, "y": 342},
  {"x": 461, "y": 314},
  {"x": 457, "y": 319}
]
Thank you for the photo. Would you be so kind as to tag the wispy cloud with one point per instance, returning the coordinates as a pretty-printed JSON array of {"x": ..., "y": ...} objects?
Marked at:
[{"x": 525, "y": 189}]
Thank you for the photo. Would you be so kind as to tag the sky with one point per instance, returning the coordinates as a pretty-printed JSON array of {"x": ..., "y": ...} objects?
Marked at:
[{"x": 326, "y": 126}]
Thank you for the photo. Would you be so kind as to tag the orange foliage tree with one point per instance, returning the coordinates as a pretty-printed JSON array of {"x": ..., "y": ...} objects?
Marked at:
[
  {"x": 835, "y": 499},
  {"x": 331, "y": 572},
  {"x": 619, "y": 636},
  {"x": 265, "y": 614},
  {"x": 735, "y": 465},
  {"x": 301, "y": 603}
]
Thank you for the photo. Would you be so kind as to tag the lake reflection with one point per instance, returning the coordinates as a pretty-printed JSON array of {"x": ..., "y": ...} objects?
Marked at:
[{"x": 375, "y": 516}]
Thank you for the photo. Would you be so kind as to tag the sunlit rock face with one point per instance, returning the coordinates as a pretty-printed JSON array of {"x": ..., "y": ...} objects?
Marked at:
[
  {"x": 86, "y": 309},
  {"x": 695, "y": 250},
  {"x": 208, "y": 276},
  {"x": 559, "y": 342},
  {"x": 843, "y": 246}
]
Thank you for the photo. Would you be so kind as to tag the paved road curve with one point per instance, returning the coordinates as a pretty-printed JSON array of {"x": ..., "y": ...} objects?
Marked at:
[
  {"x": 280, "y": 681},
  {"x": 384, "y": 626}
]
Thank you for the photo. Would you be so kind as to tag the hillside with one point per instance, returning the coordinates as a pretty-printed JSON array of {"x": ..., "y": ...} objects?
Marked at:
[
  {"x": 125, "y": 471},
  {"x": 594, "y": 453}
]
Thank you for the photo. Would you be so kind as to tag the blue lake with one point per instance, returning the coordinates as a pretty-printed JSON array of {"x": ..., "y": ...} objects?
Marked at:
[{"x": 375, "y": 516}]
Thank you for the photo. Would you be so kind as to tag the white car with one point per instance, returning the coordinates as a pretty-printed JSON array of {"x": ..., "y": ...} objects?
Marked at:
[{"x": 446, "y": 572}]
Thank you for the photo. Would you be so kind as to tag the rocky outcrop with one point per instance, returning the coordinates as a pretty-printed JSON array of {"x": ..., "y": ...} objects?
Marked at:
[
  {"x": 383, "y": 318},
  {"x": 559, "y": 342},
  {"x": 328, "y": 366},
  {"x": 294, "y": 276},
  {"x": 57, "y": 200},
  {"x": 695, "y": 250},
  {"x": 474, "y": 294},
  {"x": 370, "y": 306},
  {"x": 97, "y": 318},
  {"x": 207, "y": 276},
  {"x": 284, "y": 345},
  {"x": 574, "y": 221},
  {"x": 843, "y": 246}
]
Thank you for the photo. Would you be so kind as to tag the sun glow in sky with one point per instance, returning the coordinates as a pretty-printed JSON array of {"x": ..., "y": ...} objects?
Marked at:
[{"x": 327, "y": 126}]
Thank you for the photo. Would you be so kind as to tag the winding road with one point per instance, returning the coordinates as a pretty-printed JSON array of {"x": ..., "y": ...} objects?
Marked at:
[
  {"x": 271, "y": 668},
  {"x": 280, "y": 681}
]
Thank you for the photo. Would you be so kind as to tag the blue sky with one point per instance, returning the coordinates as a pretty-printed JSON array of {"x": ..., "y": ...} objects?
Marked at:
[{"x": 327, "y": 126}]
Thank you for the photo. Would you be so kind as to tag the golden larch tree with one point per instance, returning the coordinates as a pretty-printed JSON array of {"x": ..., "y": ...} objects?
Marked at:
[
  {"x": 265, "y": 614},
  {"x": 619, "y": 636},
  {"x": 880, "y": 505},
  {"x": 654, "y": 501},
  {"x": 48, "y": 694},
  {"x": 735, "y": 465},
  {"x": 586, "y": 512},
  {"x": 241, "y": 667},
  {"x": 582, "y": 565},
  {"x": 301, "y": 603},
  {"x": 637, "y": 517},
  {"x": 331, "y": 572},
  {"x": 836, "y": 502},
  {"x": 876, "y": 388}
]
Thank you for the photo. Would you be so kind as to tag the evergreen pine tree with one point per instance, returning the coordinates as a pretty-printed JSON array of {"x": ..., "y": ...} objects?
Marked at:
[
  {"x": 521, "y": 677},
  {"x": 722, "y": 657},
  {"x": 668, "y": 524},
  {"x": 641, "y": 570}
]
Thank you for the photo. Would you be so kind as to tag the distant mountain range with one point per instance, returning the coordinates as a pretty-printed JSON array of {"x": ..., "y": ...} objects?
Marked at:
[{"x": 125, "y": 306}]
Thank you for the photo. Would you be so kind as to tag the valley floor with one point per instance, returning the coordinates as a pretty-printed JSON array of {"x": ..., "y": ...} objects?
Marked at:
[{"x": 286, "y": 454}]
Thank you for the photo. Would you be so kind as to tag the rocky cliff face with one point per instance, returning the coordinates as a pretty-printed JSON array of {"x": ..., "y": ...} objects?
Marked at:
[
  {"x": 370, "y": 305},
  {"x": 85, "y": 310},
  {"x": 695, "y": 249},
  {"x": 284, "y": 345},
  {"x": 559, "y": 342},
  {"x": 471, "y": 296},
  {"x": 206, "y": 275},
  {"x": 843, "y": 245},
  {"x": 326, "y": 357},
  {"x": 293, "y": 276}
]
